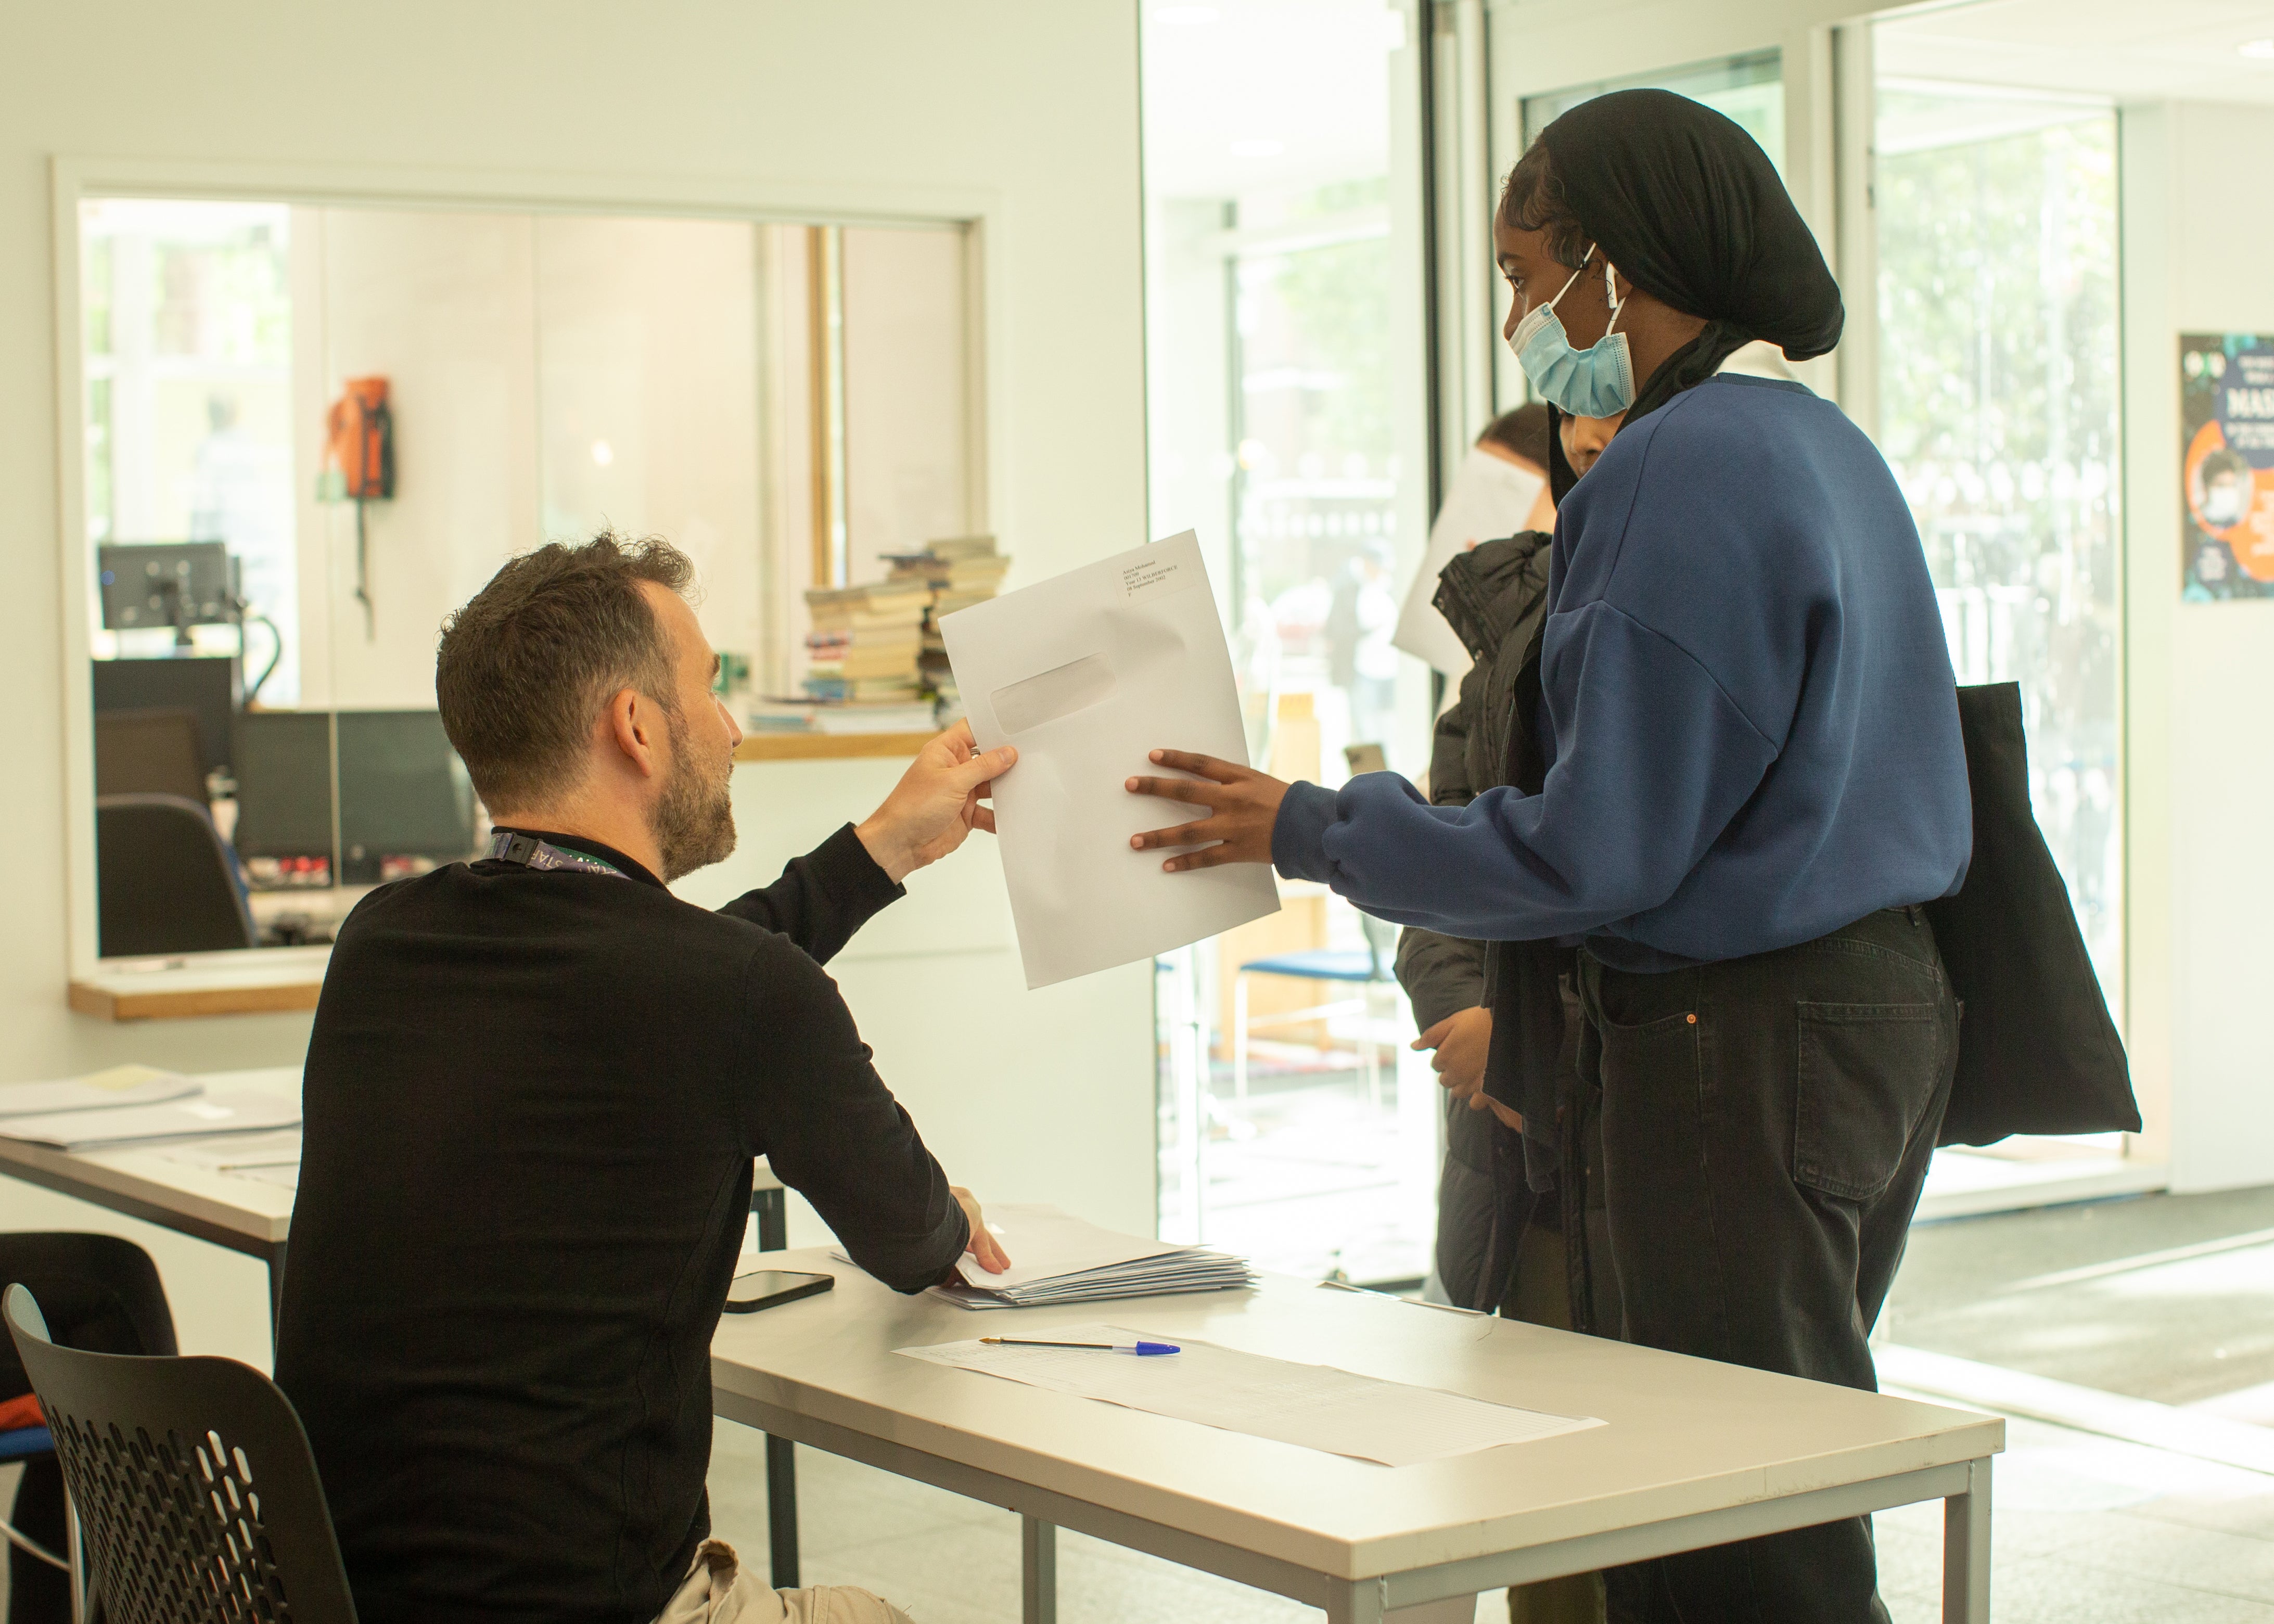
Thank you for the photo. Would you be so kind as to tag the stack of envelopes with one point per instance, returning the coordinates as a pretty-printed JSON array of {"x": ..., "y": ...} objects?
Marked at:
[{"x": 1056, "y": 1260}]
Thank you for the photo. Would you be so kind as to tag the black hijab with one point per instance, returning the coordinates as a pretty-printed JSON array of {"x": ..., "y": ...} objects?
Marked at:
[{"x": 1690, "y": 210}]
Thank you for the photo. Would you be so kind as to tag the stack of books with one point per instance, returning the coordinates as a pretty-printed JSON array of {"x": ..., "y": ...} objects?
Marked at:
[
  {"x": 867, "y": 642},
  {"x": 957, "y": 572}
]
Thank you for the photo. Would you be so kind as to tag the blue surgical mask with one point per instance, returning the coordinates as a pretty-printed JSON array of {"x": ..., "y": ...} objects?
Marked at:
[{"x": 1594, "y": 382}]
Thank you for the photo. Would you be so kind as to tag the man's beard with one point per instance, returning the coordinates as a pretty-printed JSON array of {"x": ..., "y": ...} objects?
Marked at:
[{"x": 693, "y": 820}]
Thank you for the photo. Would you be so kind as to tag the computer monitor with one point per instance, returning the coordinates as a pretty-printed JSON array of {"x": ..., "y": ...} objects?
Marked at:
[
  {"x": 206, "y": 687},
  {"x": 282, "y": 762},
  {"x": 165, "y": 583},
  {"x": 405, "y": 801}
]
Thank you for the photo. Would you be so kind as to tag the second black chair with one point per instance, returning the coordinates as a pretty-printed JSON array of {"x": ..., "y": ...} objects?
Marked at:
[{"x": 197, "y": 1493}]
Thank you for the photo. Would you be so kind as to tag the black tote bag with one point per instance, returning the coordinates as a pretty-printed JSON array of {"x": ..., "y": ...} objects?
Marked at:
[{"x": 2036, "y": 1051}]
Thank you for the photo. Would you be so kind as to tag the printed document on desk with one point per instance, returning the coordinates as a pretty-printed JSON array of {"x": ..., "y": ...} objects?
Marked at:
[
  {"x": 227, "y": 1111},
  {"x": 1087, "y": 673},
  {"x": 1315, "y": 1406},
  {"x": 98, "y": 1090}
]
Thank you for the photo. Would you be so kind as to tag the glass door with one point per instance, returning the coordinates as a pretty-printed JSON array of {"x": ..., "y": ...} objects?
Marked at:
[{"x": 1285, "y": 331}]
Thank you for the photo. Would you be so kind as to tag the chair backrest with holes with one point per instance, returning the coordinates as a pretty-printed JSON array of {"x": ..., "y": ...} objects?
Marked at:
[{"x": 194, "y": 1485}]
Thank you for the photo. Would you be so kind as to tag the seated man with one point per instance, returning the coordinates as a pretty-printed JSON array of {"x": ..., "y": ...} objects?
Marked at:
[{"x": 535, "y": 1085}]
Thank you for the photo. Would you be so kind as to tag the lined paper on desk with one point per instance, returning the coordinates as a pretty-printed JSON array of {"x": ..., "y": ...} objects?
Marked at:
[{"x": 1315, "y": 1406}]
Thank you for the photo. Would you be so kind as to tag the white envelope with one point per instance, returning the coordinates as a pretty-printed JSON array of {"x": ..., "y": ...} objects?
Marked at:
[
  {"x": 1087, "y": 673},
  {"x": 1488, "y": 498}
]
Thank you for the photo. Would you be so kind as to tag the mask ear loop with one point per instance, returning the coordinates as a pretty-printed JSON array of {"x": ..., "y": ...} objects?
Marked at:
[{"x": 1573, "y": 277}]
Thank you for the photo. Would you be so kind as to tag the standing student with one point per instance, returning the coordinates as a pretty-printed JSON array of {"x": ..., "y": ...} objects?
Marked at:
[{"x": 1752, "y": 778}]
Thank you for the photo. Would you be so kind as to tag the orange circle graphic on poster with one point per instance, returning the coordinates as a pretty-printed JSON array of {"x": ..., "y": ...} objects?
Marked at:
[{"x": 2232, "y": 501}]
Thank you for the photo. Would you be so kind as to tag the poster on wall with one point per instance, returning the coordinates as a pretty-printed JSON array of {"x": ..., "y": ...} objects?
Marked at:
[{"x": 2226, "y": 468}]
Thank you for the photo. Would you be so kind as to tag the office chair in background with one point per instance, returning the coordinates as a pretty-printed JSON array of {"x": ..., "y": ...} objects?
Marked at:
[
  {"x": 105, "y": 1296},
  {"x": 164, "y": 881},
  {"x": 152, "y": 752},
  {"x": 196, "y": 1489},
  {"x": 1370, "y": 968}
]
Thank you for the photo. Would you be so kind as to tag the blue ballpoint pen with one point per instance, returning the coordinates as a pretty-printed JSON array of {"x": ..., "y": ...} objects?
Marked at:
[{"x": 1143, "y": 1350}]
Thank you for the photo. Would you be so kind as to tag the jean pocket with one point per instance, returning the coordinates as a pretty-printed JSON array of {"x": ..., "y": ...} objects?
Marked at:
[
  {"x": 1867, "y": 1075},
  {"x": 1644, "y": 1062}
]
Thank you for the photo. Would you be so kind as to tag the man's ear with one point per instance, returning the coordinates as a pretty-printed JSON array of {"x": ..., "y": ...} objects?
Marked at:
[{"x": 632, "y": 720}]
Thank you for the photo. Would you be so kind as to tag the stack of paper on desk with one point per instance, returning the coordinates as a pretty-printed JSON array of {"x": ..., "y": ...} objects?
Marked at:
[
  {"x": 98, "y": 1090},
  {"x": 1055, "y": 1258},
  {"x": 231, "y": 1111}
]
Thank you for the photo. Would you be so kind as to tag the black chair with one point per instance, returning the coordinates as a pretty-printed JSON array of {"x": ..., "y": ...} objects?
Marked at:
[
  {"x": 196, "y": 1491},
  {"x": 164, "y": 881},
  {"x": 100, "y": 1293},
  {"x": 151, "y": 752}
]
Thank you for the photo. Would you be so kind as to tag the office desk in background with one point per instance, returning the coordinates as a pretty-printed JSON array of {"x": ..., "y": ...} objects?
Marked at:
[
  {"x": 243, "y": 1214},
  {"x": 1694, "y": 1454}
]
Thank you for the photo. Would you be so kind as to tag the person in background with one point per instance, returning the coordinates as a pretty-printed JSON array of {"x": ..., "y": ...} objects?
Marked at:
[
  {"x": 1520, "y": 436},
  {"x": 1500, "y": 1244},
  {"x": 535, "y": 1085},
  {"x": 1751, "y": 779},
  {"x": 1584, "y": 439},
  {"x": 1493, "y": 597}
]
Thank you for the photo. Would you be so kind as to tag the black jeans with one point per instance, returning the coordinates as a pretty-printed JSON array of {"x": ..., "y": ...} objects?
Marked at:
[{"x": 1766, "y": 1125}]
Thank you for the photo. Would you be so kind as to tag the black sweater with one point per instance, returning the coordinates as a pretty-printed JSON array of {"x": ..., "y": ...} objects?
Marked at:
[{"x": 532, "y": 1099}]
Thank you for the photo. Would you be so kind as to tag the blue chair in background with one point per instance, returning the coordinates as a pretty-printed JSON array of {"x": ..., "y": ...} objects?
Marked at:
[{"x": 1368, "y": 968}]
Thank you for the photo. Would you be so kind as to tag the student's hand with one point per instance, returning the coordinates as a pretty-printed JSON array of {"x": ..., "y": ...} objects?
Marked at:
[
  {"x": 984, "y": 1247},
  {"x": 1462, "y": 1040},
  {"x": 1242, "y": 806},
  {"x": 936, "y": 803}
]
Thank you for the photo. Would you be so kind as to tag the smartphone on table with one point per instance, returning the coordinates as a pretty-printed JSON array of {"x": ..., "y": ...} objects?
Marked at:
[{"x": 771, "y": 1288}]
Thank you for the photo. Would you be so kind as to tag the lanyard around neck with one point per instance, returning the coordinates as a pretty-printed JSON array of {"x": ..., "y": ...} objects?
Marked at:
[{"x": 532, "y": 853}]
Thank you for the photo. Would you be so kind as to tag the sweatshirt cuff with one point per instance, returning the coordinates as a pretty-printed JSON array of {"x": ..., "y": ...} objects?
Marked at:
[
  {"x": 1298, "y": 836},
  {"x": 852, "y": 875}
]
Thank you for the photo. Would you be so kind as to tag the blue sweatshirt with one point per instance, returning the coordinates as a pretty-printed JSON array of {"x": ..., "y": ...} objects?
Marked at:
[{"x": 1747, "y": 703}]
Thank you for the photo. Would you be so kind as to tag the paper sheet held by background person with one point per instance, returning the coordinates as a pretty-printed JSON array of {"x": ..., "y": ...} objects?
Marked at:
[
  {"x": 1086, "y": 674},
  {"x": 1489, "y": 497}
]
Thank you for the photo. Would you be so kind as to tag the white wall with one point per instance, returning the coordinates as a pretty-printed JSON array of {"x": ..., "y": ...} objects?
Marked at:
[
  {"x": 1020, "y": 111},
  {"x": 647, "y": 397},
  {"x": 2198, "y": 199},
  {"x": 907, "y": 388},
  {"x": 439, "y": 305}
]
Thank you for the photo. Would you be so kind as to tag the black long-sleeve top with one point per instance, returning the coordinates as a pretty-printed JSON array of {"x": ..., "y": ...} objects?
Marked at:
[{"x": 532, "y": 1099}]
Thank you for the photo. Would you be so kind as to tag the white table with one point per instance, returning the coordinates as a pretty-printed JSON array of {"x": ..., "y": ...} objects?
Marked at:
[
  {"x": 1695, "y": 1454},
  {"x": 243, "y": 1214}
]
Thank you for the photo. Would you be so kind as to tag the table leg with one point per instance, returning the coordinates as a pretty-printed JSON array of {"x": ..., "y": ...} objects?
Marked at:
[
  {"x": 1966, "y": 1550},
  {"x": 782, "y": 1509},
  {"x": 1356, "y": 1601},
  {"x": 772, "y": 1209},
  {"x": 275, "y": 1288},
  {"x": 1038, "y": 1580}
]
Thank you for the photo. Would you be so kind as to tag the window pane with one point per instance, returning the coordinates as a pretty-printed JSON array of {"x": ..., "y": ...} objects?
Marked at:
[
  {"x": 1998, "y": 411},
  {"x": 1283, "y": 299}
]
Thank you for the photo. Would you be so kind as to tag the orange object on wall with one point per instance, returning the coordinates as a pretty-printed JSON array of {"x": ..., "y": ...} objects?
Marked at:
[{"x": 359, "y": 442}]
